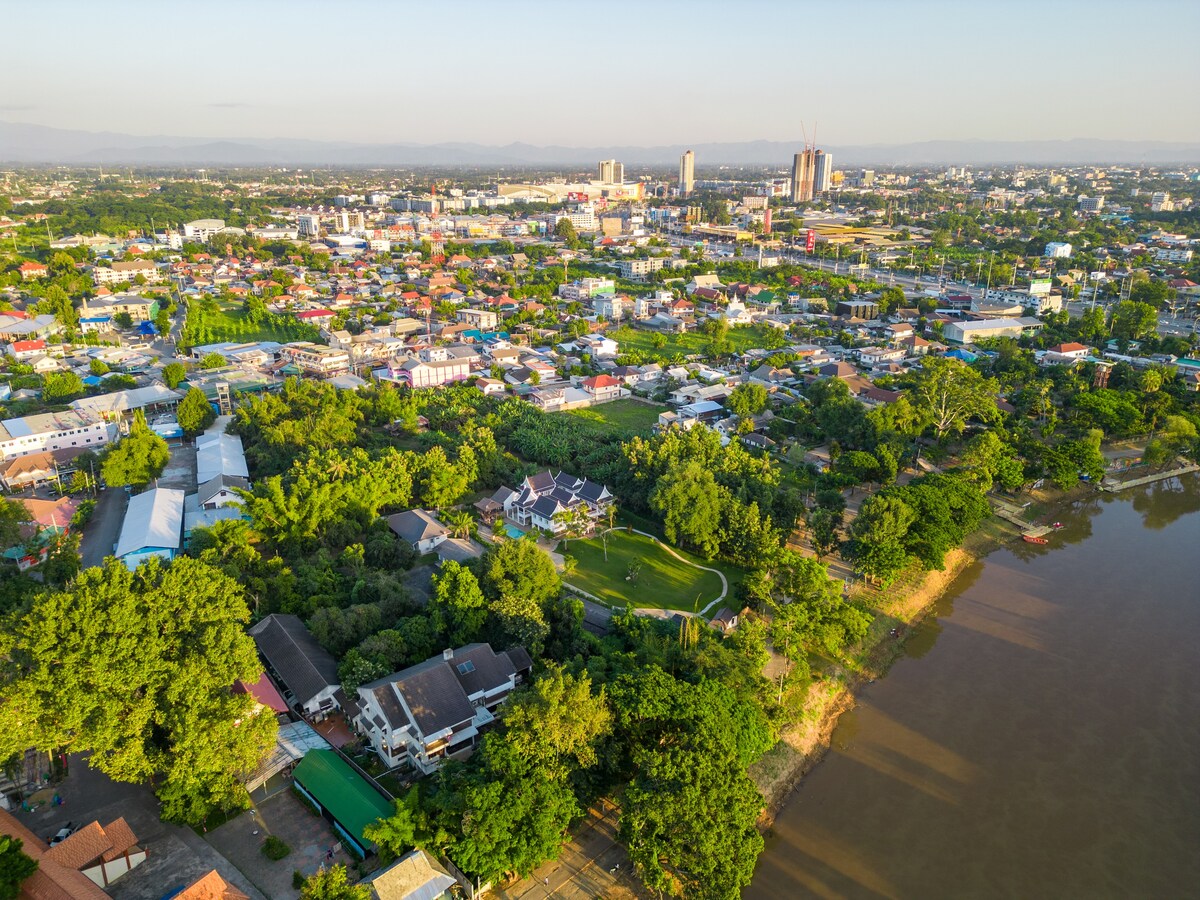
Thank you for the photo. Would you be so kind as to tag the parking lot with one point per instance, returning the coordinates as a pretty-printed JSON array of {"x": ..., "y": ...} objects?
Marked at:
[
  {"x": 177, "y": 856},
  {"x": 312, "y": 841}
]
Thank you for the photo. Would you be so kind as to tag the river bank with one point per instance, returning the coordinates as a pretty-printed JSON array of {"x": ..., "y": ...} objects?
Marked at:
[{"x": 804, "y": 743}]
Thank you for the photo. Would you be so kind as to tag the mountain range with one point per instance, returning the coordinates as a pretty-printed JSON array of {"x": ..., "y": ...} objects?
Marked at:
[{"x": 37, "y": 144}]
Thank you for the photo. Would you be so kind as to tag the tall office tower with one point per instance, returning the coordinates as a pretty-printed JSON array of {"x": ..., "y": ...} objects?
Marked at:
[
  {"x": 607, "y": 166},
  {"x": 822, "y": 172},
  {"x": 618, "y": 173},
  {"x": 687, "y": 173},
  {"x": 802, "y": 176}
]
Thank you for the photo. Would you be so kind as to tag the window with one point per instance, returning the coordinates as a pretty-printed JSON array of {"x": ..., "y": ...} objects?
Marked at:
[{"x": 465, "y": 668}]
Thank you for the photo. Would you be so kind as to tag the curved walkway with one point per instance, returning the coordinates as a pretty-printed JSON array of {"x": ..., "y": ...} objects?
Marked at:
[{"x": 671, "y": 550}]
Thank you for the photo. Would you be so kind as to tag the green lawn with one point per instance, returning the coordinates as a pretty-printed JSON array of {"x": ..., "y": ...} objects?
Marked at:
[
  {"x": 742, "y": 338},
  {"x": 229, "y": 323},
  {"x": 664, "y": 582},
  {"x": 620, "y": 415}
]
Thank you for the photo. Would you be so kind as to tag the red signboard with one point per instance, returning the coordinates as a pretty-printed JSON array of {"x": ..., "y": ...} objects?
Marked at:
[
  {"x": 577, "y": 197},
  {"x": 810, "y": 241}
]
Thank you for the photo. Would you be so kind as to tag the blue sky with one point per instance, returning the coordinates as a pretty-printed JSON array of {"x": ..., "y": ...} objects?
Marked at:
[{"x": 583, "y": 73}]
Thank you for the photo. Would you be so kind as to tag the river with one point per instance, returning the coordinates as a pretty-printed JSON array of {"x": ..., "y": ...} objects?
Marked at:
[{"x": 1039, "y": 738}]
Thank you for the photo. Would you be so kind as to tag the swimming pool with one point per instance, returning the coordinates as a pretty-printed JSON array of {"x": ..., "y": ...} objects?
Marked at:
[{"x": 513, "y": 532}]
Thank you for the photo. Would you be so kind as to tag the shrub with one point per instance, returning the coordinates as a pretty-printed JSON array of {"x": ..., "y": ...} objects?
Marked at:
[
  {"x": 275, "y": 848},
  {"x": 298, "y": 879}
]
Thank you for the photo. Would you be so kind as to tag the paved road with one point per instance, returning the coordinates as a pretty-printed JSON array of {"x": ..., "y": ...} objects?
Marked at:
[{"x": 103, "y": 529}]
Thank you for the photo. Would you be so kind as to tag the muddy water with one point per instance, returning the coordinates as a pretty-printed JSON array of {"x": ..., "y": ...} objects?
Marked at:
[{"x": 1041, "y": 737}]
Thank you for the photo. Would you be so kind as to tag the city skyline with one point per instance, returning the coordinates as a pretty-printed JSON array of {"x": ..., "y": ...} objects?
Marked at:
[{"x": 868, "y": 73}]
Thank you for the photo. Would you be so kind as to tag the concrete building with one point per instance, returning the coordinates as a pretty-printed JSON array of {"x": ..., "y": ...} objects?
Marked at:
[
  {"x": 308, "y": 224},
  {"x": 687, "y": 173},
  {"x": 1059, "y": 250},
  {"x": 53, "y": 431},
  {"x": 610, "y": 171},
  {"x": 822, "y": 172},
  {"x": 202, "y": 229},
  {"x": 969, "y": 331},
  {"x": 127, "y": 271},
  {"x": 802, "y": 176}
]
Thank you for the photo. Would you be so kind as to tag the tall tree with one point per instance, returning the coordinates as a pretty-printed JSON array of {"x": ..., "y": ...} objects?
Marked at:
[
  {"x": 689, "y": 501},
  {"x": 137, "y": 458},
  {"x": 138, "y": 669},
  {"x": 457, "y": 607},
  {"x": 174, "y": 374},
  {"x": 333, "y": 883},
  {"x": 519, "y": 569},
  {"x": 195, "y": 413},
  {"x": 15, "y": 867},
  {"x": 877, "y": 537},
  {"x": 951, "y": 393}
]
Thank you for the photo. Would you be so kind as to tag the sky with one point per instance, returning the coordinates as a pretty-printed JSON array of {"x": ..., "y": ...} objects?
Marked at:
[{"x": 573, "y": 73}]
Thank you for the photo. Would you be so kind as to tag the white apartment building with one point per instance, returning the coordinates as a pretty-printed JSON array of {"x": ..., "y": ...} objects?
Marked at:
[
  {"x": 586, "y": 289},
  {"x": 202, "y": 229},
  {"x": 308, "y": 224},
  {"x": 315, "y": 358},
  {"x": 53, "y": 431},
  {"x": 122, "y": 272},
  {"x": 1059, "y": 250}
]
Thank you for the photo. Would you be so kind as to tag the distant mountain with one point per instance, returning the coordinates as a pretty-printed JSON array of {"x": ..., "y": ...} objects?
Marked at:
[{"x": 22, "y": 143}]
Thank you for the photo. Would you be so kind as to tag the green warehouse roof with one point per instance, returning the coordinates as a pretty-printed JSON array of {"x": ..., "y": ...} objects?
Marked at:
[{"x": 342, "y": 791}]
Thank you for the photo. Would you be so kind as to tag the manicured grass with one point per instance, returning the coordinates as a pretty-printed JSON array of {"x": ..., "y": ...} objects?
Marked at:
[
  {"x": 620, "y": 415},
  {"x": 229, "y": 323},
  {"x": 741, "y": 339},
  {"x": 664, "y": 581}
]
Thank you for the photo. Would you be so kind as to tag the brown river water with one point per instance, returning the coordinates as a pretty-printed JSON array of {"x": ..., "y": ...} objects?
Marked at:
[{"x": 1040, "y": 738}]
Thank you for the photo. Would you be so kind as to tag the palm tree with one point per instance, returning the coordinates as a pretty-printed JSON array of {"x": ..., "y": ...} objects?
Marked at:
[{"x": 459, "y": 522}]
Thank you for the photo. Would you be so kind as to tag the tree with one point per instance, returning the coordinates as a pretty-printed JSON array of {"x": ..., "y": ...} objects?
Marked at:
[
  {"x": 333, "y": 883},
  {"x": 823, "y": 526},
  {"x": 808, "y": 609},
  {"x": 136, "y": 668},
  {"x": 195, "y": 413},
  {"x": 689, "y": 501},
  {"x": 137, "y": 458},
  {"x": 457, "y": 606},
  {"x": 951, "y": 393},
  {"x": 519, "y": 569},
  {"x": 59, "y": 387},
  {"x": 174, "y": 374},
  {"x": 123, "y": 320},
  {"x": 213, "y": 361},
  {"x": 877, "y": 537},
  {"x": 1132, "y": 320},
  {"x": 98, "y": 367},
  {"x": 14, "y": 516},
  {"x": 748, "y": 399},
  {"x": 557, "y": 722},
  {"x": 564, "y": 230},
  {"x": 15, "y": 867}
]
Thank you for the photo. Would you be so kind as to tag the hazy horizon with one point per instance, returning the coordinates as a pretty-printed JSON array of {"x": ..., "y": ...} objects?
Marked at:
[{"x": 649, "y": 74}]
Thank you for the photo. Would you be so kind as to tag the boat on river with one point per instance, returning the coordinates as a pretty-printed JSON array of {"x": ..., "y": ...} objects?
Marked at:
[{"x": 1033, "y": 539}]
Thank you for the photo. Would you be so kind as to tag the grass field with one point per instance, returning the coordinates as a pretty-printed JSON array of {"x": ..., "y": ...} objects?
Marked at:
[
  {"x": 741, "y": 339},
  {"x": 229, "y": 323},
  {"x": 664, "y": 582},
  {"x": 620, "y": 415}
]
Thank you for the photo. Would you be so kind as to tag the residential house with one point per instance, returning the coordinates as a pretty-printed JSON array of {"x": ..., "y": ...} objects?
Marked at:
[
  {"x": 420, "y": 373},
  {"x": 603, "y": 387},
  {"x": 437, "y": 709},
  {"x": 414, "y": 876},
  {"x": 490, "y": 386},
  {"x": 77, "y": 868},
  {"x": 1066, "y": 354},
  {"x": 304, "y": 669},
  {"x": 419, "y": 529},
  {"x": 26, "y": 350},
  {"x": 153, "y": 526},
  {"x": 221, "y": 491},
  {"x": 483, "y": 319},
  {"x": 542, "y": 498},
  {"x": 210, "y": 887},
  {"x": 597, "y": 345},
  {"x": 315, "y": 359},
  {"x": 53, "y": 431}
]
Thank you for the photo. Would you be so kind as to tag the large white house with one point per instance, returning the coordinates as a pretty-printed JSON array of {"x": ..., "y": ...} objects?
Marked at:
[
  {"x": 437, "y": 709},
  {"x": 53, "y": 431},
  {"x": 542, "y": 498}
]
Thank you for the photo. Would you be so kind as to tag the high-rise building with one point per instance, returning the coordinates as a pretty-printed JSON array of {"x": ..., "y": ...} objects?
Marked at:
[
  {"x": 822, "y": 172},
  {"x": 802, "y": 176},
  {"x": 611, "y": 171},
  {"x": 687, "y": 173}
]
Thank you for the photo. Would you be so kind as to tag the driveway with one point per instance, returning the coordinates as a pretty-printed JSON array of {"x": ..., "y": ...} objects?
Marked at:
[
  {"x": 102, "y": 530},
  {"x": 177, "y": 856},
  {"x": 310, "y": 837}
]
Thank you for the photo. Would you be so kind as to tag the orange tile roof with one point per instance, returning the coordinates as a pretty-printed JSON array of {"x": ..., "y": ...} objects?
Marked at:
[
  {"x": 87, "y": 844},
  {"x": 121, "y": 836},
  {"x": 211, "y": 887}
]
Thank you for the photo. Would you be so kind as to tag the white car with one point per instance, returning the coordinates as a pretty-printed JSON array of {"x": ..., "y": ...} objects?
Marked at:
[{"x": 62, "y": 834}]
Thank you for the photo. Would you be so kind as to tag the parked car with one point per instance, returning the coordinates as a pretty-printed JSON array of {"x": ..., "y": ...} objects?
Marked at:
[{"x": 62, "y": 834}]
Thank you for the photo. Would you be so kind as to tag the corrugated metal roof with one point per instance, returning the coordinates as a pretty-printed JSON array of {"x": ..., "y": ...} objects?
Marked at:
[{"x": 154, "y": 519}]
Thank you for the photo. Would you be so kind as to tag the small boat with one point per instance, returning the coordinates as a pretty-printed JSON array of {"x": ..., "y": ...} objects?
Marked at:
[
  {"x": 1033, "y": 539},
  {"x": 1058, "y": 525}
]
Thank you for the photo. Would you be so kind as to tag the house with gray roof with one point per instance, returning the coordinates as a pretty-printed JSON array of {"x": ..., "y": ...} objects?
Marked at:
[
  {"x": 421, "y": 530},
  {"x": 437, "y": 709},
  {"x": 153, "y": 526},
  {"x": 306, "y": 673},
  {"x": 542, "y": 499}
]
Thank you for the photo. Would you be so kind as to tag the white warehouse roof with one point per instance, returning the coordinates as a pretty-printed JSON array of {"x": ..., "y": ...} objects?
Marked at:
[{"x": 154, "y": 520}]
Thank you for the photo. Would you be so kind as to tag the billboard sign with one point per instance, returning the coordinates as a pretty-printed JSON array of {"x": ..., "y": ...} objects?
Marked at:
[{"x": 810, "y": 241}]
